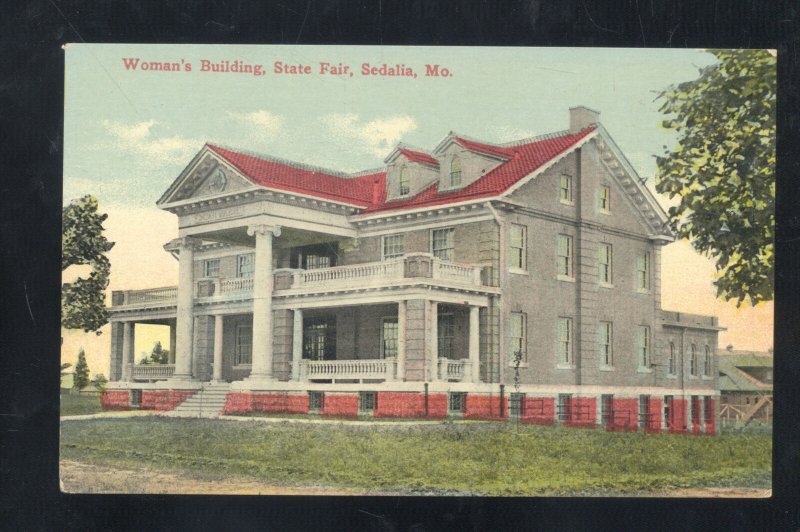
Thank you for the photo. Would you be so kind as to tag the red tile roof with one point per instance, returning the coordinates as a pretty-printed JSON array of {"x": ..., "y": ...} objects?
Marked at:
[{"x": 369, "y": 190}]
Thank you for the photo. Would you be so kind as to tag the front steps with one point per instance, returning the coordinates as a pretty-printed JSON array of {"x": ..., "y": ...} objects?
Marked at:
[{"x": 208, "y": 402}]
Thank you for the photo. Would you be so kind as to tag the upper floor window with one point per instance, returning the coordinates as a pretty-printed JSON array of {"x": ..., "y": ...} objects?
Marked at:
[
  {"x": 693, "y": 360},
  {"x": 605, "y": 344},
  {"x": 245, "y": 265},
  {"x": 566, "y": 189},
  {"x": 564, "y": 341},
  {"x": 644, "y": 347},
  {"x": 672, "y": 362},
  {"x": 643, "y": 271},
  {"x": 516, "y": 244},
  {"x": 604, "y": 260},
  {"x": 707, "y": 362},
  {"x": 604, "y": 200},
  {"x": 516, "y": 336},
  {"x": 455, "y": 172},
  {"x": 393, "y": 246},
  {"x": 564, "y": 256},
  {"x": 211, "y": 268},
  {"x": 405, "y": 187},
  {"x": 442, "y": 243}
]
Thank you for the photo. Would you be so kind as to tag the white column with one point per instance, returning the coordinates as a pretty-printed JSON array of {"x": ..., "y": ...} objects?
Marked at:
[
  {"x": 474, "y": 345},
  {"x": 262, "y": 303},
  {"x": 127, "y": 350},
  {"x": 434, "y": 341},
  {"x": 401, "y": 340},
  {"x": 218, "y": 326},
  {"x": 184, "y": 323},
  {"x": 297, "y": 343},
  {"x": 172, "y": 343}
]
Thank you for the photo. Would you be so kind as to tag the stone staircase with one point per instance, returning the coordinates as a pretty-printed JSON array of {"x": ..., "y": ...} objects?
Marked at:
[{"x": 207, "y": 402}]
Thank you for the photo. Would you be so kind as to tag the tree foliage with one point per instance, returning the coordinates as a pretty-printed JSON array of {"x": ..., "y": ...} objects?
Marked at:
[
  {"x": 82, "y": 242},
  {"x": 723, "y": 169},
  {"x": 81, "y": 377},
  {"x": 159, "y": 355},
  {"x": 100, "y": 381}
]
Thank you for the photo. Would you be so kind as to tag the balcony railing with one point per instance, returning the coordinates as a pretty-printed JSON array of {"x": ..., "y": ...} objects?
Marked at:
[
  {"x": 454, "y": 370},
  {"x": 351, "y": 275},
  {"x": 150, "y": 295},
  {"x": 152, "y": 372},
  {"x": 379, "y": 368},
  {"x": 235, "y": 285}
]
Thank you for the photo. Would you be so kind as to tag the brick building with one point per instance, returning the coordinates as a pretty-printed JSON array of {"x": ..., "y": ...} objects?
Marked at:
[{"x": 480, "y": 280}]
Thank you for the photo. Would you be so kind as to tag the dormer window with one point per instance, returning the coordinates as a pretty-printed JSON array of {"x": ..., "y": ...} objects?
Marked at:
[
  {"x": 405, "y": 187},
  {"x": 455, "y": 172}
]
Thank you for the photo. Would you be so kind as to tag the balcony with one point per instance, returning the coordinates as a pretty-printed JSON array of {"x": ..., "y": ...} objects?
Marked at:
[
  {"x": 454, "y": 370},
  {"x": 151, "y": 372},
  {"x": 409, "y": 268},
  {"x": 370, "y": 369}
]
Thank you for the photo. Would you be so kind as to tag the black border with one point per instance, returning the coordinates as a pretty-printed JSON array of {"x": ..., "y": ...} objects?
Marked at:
[{"x": 31, "y": 108}]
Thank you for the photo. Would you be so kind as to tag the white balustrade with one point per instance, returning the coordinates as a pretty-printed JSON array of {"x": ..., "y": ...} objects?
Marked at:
[
  {"x": 350, "y": 275},
  {"x": 454, "y": 370},
  {"x": 133, "y": 297},
  {"x": 377, "y": 368},
  {"x": 462, "y": 273},
  {"x": 152, "y": 371},
  {"x": 236, "y": 285}
]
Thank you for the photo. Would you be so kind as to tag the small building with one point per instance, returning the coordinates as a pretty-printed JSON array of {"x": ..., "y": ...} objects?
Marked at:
[{"x": 745, "y": 386}]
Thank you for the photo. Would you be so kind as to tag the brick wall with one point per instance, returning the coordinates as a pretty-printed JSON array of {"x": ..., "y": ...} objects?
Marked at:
[
  {"x": 539, "y": 411},
  {"x": 583, "y": 413},
  {"x": 626, "y": 415},
  {"x": 483, "y": 407},
  {"x": 711, "y": 416},
  {"x": 340, "y": 405},
  {"x": 115, "y": 400},
  {"x": 677, "y": 414},
  {"x": 400, "y": 405},
  {"x": 655, "y": 408},
  {"x": 163, "y": 400},
  {"x": 437, "y": 405}
]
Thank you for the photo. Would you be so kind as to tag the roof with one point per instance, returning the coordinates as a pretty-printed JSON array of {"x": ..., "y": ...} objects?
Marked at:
[
  {"x": 733, "y": 378},
  {"x": 520, "y": 160}
]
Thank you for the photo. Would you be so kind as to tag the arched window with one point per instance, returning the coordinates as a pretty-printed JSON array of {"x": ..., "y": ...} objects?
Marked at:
[
  {"x": 671, "y": 367},
  {"x": 455, "y": 172},
  {"x": 404, "y": 186},
  {"x": 693, "y": 360},
  {"x": 707, "y": 362}
]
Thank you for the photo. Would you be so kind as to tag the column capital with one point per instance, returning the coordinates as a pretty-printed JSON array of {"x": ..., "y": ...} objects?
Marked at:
[
  {"x": 263, "y": 229},
  {"x": 187, "y": 242}
]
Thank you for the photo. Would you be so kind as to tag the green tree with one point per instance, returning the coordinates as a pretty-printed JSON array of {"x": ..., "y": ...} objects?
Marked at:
[
  {"x": 100, "y": 381},
  {"x": 159, "y": 354},
  {"x": 82, "y": 242},
  {"x": 723, "y": 169},
  {"x": 81, "y": 375}
]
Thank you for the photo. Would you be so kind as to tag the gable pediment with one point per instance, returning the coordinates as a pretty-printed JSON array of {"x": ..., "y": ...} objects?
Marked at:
[{"x": 207, "y": 175}]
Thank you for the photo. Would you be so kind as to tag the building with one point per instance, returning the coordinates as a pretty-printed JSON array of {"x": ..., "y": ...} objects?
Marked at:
[
  {"x": 745, "y": 387},
  {"x": 407, "y": 291}
]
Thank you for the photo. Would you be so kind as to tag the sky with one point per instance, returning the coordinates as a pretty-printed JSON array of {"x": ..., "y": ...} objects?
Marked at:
[{"x": 129, "y": 133}]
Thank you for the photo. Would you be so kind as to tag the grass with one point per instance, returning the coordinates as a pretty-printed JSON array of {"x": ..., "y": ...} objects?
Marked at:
[
  {"x": 76, "y": 405},
  {"x": 481, "y": 459}
]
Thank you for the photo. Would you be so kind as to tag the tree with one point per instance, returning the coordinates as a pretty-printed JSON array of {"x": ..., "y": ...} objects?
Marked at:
[
  {"x": 82, "y": 242},
  {"x": 723, "y": 169},
  {"x": 100, "y": 381},
  {"x": 81, "y": 376},
  {"x": 159, "y": 354}
]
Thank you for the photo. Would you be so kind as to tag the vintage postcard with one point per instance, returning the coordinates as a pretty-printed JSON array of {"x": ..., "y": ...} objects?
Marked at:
[{"x": 417, "y": 270}]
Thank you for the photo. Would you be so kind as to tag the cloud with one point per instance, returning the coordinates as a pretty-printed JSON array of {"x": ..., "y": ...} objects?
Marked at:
[
  {"x": 261, "y": 122},
  {"x": 378, "y": 136},
  {"x": 139, "y": 139}
]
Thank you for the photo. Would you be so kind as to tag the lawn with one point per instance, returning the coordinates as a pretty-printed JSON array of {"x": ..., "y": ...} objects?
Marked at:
[
  {"x": 76, "y": 405},
  {"x": 480, "y": 459}
]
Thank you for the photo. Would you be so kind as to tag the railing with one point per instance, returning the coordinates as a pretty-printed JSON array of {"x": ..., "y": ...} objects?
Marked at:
[
  {"x": 355, "y": 274},
  {"x": 377, "y": 368},
  {"x": 236, "y": 284},
  {"x": 152, "y": 371},
  {"x": 132, "y": 297},
  {"x": 454, "y": 370},
  {"x": 456, "y": 272}
]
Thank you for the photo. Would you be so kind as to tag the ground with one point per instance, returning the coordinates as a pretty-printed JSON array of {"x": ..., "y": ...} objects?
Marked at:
[{"x": 157, "y": 454}]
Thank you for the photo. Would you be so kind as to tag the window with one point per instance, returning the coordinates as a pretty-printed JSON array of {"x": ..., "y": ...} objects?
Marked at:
[
  {"x": 405, "y": 188},
  {"x": 319, "y": 339},
  {"x": 566, "y": 189},
  {"x": 136, "y": 397},
  {"x": 693, "y": 360},
  {"x": 516, "y": 336},
  {"x": 604, "y": 336},
  {"x": 442, "y": 243},
  {"x": 694, "y": 410},
  {"x": 457, "y": 402},
  {"x": 668, "y": 422},
  {"x": 516, "y": 405},
  {"x": 564, "y": 407},
  {"x": 244, "y": 345},
  {"x": 316, "y": 401},
  {"x": 211, "y": 268},
  {"x": 564, "y": 348},
  {"x": 604, "y": 201},
  {"x": 644, "y": 410},
  {"x": 565, "y": 256},
  {"x": 314, "y": 262},
  {"x": 367, "y": 402},
  {"x": 672, "y": 362},
  {"x": 607, "y": 410},
  {"x": 644, "y": 347},
  {"x": 393, "y": 246},
  {"x": 245, "y": 265},
  {"x": 708, "y": 408},
  {"x": 455, "y": 172},
  {"x": 643, "y": 271},
  {"x": 707, "y": 362},
  {"x": 516, "y": 243},
  {"x": 446, "y": 332},
  {"x": 389, "y": 338},
  {"x": 604, "y": 260}
]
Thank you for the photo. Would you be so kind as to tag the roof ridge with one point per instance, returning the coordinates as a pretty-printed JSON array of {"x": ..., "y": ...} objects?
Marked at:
[
  {"x": 536, "y": 138},
  {"x": 286, "y": 162},
  {"x": 370, "y": 171},
  {"x": 404, "y": 146}
]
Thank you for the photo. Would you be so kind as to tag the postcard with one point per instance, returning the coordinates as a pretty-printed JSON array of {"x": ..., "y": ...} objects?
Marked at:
[{"x": 369, "y": 270}]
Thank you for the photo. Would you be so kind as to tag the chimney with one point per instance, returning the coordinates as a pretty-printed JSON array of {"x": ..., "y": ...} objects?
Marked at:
[
  {"x": 581, "y": 117},
  {"x": 376, "y": 191}
]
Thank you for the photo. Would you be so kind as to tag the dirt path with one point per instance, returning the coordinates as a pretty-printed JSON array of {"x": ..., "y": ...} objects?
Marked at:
[{"x": 84, "y": 478}]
